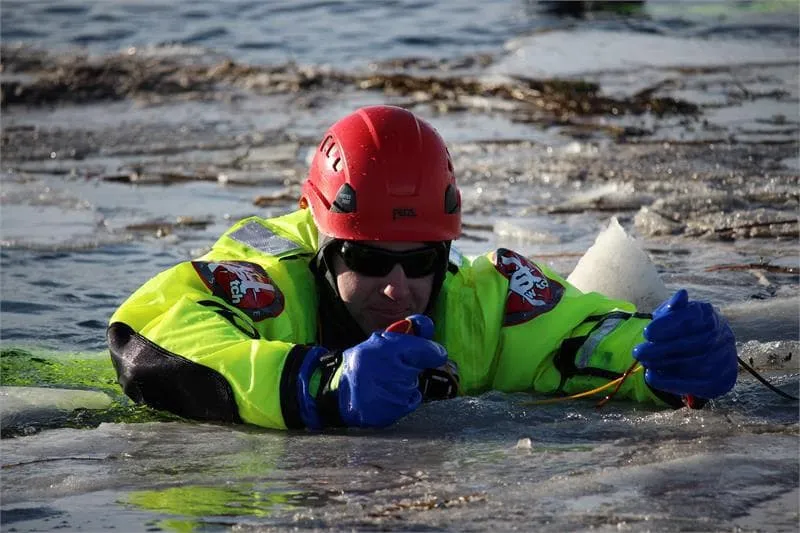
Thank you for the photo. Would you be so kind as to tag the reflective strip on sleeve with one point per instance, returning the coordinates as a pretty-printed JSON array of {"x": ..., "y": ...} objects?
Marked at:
[
  {"x": 587, "y": 349},
  {"x": 261, "y": 238}
]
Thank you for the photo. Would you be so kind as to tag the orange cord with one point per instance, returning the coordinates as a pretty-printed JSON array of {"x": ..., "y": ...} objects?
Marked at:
[
  {"x": 631, "y": 370},
  {"x": 617, "y": 383}
]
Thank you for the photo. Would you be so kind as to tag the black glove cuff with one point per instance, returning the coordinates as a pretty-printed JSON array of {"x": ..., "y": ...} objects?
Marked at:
[
  {"x": 328, "y": 398},
  {"x": 288, "y": 387},
  {"x": 438, "y": 383}
]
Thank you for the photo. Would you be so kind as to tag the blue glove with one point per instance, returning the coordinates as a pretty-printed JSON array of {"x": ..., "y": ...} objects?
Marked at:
[
  {"x": 690, "y": 349},
  {"x": 376, "y": 382}
]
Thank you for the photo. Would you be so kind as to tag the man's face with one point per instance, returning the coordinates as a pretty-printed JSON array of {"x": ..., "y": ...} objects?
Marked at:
[{"x": 377, "y": 301}]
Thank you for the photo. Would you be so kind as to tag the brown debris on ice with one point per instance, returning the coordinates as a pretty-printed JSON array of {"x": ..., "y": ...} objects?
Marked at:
[{"x": 81, "y": 79}]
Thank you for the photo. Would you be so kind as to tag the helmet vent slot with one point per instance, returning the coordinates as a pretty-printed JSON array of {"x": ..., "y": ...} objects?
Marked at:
[
  {"x": 324, "y": 143},
  {"x": 449, "y": 161},
  {"x": 451, "y": 200}
]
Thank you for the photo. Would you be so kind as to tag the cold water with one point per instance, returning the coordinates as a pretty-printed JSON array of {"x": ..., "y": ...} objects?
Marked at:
[{"x": 689, "y": 139}]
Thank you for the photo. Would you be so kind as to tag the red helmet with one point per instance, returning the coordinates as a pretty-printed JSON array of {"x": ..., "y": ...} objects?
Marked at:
[{"x": 383, "y": 174}]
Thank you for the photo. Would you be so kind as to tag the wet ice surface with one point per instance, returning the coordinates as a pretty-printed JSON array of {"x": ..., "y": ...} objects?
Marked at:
[
  {"x": 468, "y": 464},
  {"x": 98, "y": 197}
]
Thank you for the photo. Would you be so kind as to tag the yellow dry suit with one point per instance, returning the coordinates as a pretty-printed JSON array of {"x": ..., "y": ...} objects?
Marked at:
[{"x": 222, "y": 337}]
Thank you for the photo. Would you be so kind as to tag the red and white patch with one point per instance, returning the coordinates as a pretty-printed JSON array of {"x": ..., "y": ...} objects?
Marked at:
[
  {"x": 244, "y": 285},
  {"x": 530, "y": 292}
]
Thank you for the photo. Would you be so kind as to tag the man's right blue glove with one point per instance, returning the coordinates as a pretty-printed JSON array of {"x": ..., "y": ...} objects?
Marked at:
[{"x": 375, "y": 383}]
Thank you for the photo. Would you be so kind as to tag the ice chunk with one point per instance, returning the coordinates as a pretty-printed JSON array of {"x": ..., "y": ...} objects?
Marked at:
[
  {"x": 774, "y": 355},
  {"x": 617, "y": 266},
  {"x": 524, "y": 444},
  {"x": 27, "y": 405}
]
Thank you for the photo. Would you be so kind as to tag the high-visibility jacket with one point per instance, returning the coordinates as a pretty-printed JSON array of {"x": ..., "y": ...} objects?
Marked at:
[{"x": 222, "y": 337}]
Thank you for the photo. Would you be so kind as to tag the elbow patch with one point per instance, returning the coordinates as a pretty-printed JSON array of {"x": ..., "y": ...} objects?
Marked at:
[{"x": 164, "y": 380}]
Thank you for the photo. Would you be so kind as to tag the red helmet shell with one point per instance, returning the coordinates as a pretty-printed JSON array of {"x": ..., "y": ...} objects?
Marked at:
[{"x": 381, "y": 173}]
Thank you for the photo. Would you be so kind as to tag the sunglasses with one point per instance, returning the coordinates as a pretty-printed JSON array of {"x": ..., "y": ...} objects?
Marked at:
[{"x": 377, "y": 262}]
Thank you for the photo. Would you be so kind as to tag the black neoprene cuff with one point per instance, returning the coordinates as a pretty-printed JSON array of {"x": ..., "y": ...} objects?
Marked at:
[{"x": 328, "y": 398}]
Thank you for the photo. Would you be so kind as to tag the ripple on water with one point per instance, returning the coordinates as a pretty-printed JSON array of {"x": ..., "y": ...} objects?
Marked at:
[{"x": 23, "y": 307}]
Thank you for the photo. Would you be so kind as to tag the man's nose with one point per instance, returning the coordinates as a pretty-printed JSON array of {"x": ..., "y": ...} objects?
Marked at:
[{"x": 397, "y": 287}]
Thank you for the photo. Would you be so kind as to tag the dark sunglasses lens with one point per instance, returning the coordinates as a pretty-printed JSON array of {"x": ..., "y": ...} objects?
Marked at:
[
  {"x": 366, "y": 261},
  {"x": 375, "y": 262},
  {"x": 420, "y": 264}
]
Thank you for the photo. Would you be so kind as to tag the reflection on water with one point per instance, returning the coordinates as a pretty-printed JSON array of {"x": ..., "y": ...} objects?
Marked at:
[{"x": 235, "y": 499}]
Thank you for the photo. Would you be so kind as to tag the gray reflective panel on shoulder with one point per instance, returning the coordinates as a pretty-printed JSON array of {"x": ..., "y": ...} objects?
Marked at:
[
  {"x": 262, "y": 238},
  {"x": 456, "y": 257}
]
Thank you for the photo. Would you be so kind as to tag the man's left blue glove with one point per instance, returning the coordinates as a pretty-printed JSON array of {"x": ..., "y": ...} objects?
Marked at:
[{"x": 690, "y": 349}]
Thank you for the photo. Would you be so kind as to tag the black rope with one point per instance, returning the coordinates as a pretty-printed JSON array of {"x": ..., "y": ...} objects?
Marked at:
[{"x": 769, "y": 385}]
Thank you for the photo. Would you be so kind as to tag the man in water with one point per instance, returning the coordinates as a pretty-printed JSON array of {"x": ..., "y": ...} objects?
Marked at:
[{"x": 354, "y": 309}]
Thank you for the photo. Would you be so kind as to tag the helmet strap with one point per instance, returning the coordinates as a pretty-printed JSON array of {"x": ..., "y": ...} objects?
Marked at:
[
  {"x": 438, "y": 279},
  {"x": 338, "y": 330}
]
